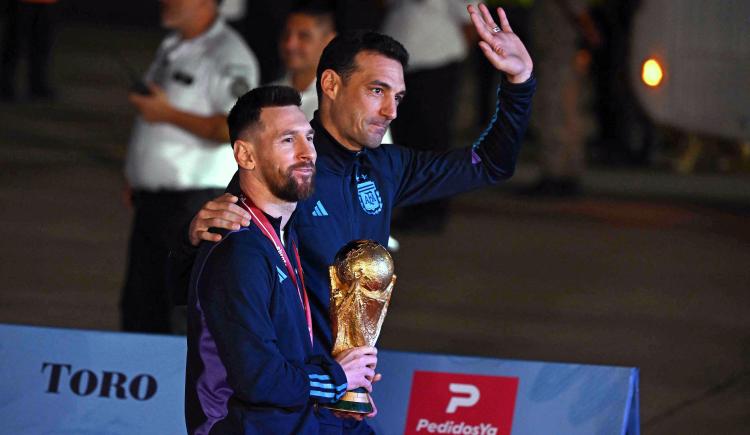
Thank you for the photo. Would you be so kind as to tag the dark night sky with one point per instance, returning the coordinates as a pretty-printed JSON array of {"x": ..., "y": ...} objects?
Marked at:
[{"x": 135, "y": 12}]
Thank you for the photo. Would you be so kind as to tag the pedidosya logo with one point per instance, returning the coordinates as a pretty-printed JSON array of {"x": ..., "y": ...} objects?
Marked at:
[{"x": 450, "y": 403}]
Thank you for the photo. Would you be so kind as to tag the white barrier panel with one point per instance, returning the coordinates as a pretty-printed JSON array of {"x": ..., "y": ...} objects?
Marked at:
[
  {"x": 65, "y": 381},
  {"x": 62, "y": 381}
]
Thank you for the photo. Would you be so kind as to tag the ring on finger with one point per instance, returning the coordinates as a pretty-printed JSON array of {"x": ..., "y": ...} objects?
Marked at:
[{"x": 496, "y": 29}]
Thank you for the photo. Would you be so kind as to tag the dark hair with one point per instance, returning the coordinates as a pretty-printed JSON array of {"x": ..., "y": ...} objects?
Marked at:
[
  {"x": 246, "y": 111},
  {"x": 339, "y": 54},
  {"x": 321, "y": 12}
]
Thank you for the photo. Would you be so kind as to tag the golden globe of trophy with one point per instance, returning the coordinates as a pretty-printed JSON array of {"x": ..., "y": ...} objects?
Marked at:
[{"x": 361, "y": 284}]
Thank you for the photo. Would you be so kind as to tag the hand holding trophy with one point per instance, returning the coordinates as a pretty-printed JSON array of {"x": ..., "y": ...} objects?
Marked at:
[{"x": 362, "y": 280}]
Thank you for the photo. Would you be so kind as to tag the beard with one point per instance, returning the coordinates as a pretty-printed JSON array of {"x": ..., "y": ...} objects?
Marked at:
[{"x": 285, "y": 186}]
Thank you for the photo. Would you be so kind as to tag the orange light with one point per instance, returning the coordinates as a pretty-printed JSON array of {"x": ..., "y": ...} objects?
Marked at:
[{"x": 652, "y": 73}]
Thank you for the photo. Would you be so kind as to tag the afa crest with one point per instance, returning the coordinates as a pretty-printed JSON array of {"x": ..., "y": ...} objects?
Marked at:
[{"x": 369, "y": 197}]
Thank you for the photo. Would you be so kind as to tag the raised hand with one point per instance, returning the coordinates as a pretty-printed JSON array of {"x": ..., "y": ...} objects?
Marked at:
[
  {"x": 221, "y": 212},
  {"x": 500, "y": 45}
]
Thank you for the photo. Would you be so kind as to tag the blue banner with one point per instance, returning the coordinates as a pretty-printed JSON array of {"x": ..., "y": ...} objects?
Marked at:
[{"x": 60, "y": 381}]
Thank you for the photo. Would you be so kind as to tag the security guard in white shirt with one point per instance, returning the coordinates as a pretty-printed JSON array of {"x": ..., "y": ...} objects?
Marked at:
[{"x": 179, "y": 157}]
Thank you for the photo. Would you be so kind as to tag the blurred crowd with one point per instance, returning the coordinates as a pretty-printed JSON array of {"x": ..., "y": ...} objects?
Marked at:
[{"x": 580, "y": 48}]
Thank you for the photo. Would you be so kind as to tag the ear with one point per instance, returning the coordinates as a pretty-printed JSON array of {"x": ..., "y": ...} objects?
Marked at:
[
  {"x": 330, "y": 83},
  {"x": 244, "y": 154}
]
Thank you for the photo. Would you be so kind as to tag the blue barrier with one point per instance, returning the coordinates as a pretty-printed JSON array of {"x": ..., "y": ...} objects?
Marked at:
[
  {"x": 61, "y": 381},
  {"x": 513, "y": 397}
]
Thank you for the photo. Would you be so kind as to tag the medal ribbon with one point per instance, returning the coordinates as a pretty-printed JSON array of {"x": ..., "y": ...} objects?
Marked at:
[{"x": 266, "y": 228}]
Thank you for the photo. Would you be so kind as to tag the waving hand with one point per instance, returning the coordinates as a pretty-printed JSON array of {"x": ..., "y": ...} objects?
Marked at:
[{"x": 502, "y": 48}]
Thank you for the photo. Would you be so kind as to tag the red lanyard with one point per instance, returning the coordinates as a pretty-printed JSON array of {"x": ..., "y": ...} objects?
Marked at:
[{"x": 266, "y": 228}]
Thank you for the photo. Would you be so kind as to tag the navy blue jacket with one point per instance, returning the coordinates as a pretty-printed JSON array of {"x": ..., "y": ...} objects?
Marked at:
[{"x": 251, "y": 367}]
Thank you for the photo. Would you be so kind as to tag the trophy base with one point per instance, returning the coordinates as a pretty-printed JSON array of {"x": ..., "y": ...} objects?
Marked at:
[{"x": 355, "y": 401}]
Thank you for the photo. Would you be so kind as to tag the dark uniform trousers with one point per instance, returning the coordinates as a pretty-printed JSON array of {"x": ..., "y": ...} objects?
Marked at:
[
  {"x": 30, "y": 24},
  {"x": 160, "y": 219}
]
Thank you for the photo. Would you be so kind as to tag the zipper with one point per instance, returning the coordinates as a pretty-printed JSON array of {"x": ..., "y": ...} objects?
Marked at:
[{"x": 353, "y": 180}]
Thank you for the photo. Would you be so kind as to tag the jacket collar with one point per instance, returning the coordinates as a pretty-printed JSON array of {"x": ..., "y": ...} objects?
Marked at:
[{"x": 276, "y": 222}]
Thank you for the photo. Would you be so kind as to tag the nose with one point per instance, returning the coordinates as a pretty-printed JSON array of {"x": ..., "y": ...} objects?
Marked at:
[
  {"x": 388, "y": 109},
  {"x": 306, "y": 151},
  {"x": 289, "y": 41}
]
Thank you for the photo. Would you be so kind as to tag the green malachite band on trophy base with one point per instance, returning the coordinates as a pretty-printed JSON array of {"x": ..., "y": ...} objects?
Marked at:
[{"x": 353, "y": 401}]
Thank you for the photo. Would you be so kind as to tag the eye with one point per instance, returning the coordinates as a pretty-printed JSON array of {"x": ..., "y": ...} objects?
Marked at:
[
  {"x": 399, "y": 98},
  {"x": 377, "y": 91},
  {"x": 288, "y": 139},
  {"x": 310, "y": 137}
]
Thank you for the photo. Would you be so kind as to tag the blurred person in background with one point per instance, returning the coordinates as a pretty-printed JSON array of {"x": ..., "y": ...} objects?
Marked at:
[
  {"x": 178, "y": 156},
  {"x": 626, "y": 135},
  {"x": 561, "y": 67},
  {"x": 352, "y": 15},
  {"x": 30, "y": 23},
  {"x": 307, "y": 31},
  {"x": 260, "y": 22},
  {"x": 436, "y": 33}
]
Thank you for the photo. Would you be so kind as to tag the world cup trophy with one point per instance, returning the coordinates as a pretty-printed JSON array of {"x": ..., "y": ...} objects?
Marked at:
[{"x": 361, "y": 284}]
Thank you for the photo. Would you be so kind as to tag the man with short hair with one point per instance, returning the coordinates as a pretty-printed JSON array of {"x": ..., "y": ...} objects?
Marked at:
[
  {"x": 177, "y": 157},
  {"x": 251, "y": 366},
  {"x": 307, "y": 32},
  {"x": 358, "y": 181}
]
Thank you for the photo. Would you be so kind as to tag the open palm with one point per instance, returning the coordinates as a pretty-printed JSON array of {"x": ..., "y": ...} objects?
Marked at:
[{"x": 500, "y": 45}]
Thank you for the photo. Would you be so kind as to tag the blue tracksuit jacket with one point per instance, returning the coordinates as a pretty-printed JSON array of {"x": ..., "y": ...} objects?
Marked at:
[{"x": 251, "y": 368}]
